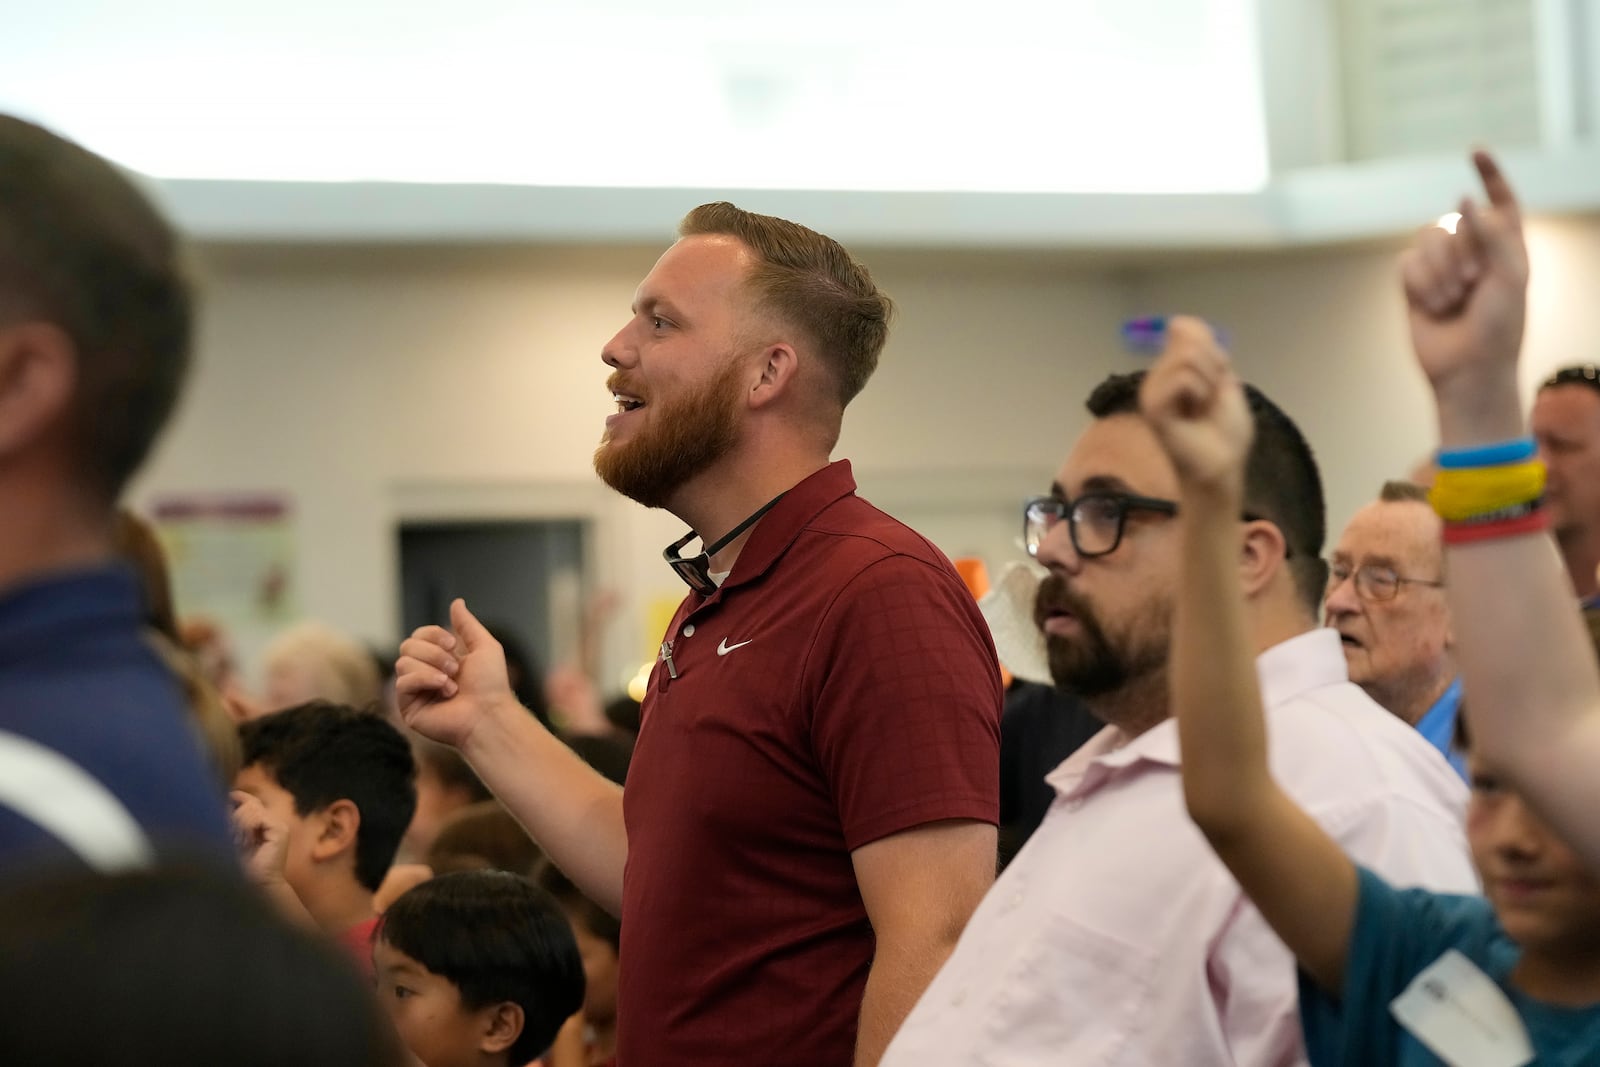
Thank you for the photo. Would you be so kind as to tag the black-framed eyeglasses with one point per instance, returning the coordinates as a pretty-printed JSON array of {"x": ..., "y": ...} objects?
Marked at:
[
  {"x": 1373, "y": 581},
  {"x": 1095, "y": 520},
  {"x": 1584, "y": 374}
]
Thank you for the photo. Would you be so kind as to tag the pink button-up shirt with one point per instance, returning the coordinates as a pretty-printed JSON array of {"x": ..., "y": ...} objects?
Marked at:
[{"x": 1116, "y": 938}]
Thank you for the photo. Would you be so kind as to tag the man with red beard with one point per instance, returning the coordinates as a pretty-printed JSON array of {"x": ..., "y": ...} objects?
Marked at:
[
  {"x": 809, "y": 816},
  {"x": 1116, "y": 934}
]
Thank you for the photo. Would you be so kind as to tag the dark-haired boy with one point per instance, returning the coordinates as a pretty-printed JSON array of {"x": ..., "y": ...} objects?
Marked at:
[
  {"x": 342, "y": 784},
  {"x": 477, "y": 969}
]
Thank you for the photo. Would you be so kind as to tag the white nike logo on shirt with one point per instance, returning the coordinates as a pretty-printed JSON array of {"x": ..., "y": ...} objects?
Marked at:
[{"x": 724, "y": 648}]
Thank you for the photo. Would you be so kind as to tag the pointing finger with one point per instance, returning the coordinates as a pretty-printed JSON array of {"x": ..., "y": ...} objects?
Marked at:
[{"x": 1495, "y": 185}]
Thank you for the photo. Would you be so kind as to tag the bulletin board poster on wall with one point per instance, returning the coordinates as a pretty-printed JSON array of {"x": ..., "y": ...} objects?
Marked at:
[{"x": 232, "y": 557}]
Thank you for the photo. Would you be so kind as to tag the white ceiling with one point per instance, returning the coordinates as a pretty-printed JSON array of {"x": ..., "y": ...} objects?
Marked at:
[
  {"x": 1058, "y": 124},
  {"x": 1066, "y": 96}
]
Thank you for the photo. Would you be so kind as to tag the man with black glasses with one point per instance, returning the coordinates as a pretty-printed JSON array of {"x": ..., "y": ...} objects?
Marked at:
[
  {"x": 1386, "y": 600},
  {"x": 1566, "y": 424},
  {"x": 1116, "y": 934}
]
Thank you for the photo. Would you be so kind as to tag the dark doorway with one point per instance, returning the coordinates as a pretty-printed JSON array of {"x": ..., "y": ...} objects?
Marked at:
[{"x": 524, "y": 576}]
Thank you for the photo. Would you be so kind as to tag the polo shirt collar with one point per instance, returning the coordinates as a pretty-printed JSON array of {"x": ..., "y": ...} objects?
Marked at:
[
  {"x": 778, "y": 528},
  {"x": 1284, "y": 672}
]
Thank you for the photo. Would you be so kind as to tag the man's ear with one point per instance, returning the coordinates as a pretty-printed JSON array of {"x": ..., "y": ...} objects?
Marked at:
[
  {"x": 501, "y": 1025},
  {"x": 338, "y": 826},
  {"x": 780, "y": 365},
  {"x": 1263, "y": 553},
  {"x": 38, "y": 374}
]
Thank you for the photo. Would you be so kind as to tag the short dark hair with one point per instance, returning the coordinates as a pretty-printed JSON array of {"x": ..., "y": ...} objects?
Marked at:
[
  {"x": 811, "y": 282},
  {"x": 176, "y": 965},
  {"x": 483, "y": 836},
  {"x": 622, "y": 711},
  {"x": 496, "y": 937},
  {"x": 1398, "y": 492},
  {"x": 1281, "y": 484},
  {"x": 597, "y": 920},
  {"x": 1586, "y": 374},
  {"x": 451, "y": 768},
  {"x": 82, "y": 248},
  {"x": 321, "y": 753}
]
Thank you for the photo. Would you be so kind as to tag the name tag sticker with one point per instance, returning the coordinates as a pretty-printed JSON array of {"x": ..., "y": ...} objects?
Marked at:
[{"x": 1459, "y": 1013}]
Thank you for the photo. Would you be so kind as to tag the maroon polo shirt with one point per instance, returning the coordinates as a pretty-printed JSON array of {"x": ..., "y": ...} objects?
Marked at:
[{"x": 840, "y": 687}]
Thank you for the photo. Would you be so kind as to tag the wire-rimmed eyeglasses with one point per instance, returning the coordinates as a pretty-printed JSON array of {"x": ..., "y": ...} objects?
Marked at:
[{"x": 1373, "y": 581}]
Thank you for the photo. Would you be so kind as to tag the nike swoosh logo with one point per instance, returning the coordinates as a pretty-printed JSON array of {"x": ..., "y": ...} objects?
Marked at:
[{"x": 724, "y": 648}]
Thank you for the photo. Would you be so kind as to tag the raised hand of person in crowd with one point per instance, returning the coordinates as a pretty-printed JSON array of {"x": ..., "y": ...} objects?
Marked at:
[
  {"x": 1527, "y": 664},
  {"x": 1466, "y": 299},
  {"x": 1296, "y": 874},
  {"x": 575, "y": 701},
  {"x": 446, "y": 682},
  {"x": 451, "y": 686},
  {"x": 263, "y": 840},
  {"x": 263, "y": 850},
  {"x": 1196, "y": 406}
]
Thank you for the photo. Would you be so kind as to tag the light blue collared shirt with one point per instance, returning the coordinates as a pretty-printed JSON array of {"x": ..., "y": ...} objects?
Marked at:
[{"x": 1438, "y": 727}]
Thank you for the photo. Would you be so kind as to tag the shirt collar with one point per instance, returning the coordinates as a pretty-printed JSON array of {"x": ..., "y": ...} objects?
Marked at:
[
  {"x": 1285, "y": 671},
  {"x": 778, "y": 528},
  {"x": 1438, "y": 723},
  {"x": 1292, "y": 668}
]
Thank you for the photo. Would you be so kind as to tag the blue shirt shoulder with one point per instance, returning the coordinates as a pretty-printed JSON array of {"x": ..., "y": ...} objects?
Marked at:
[
  {"x": 80, "y": 681},
  {"x": 1399, "y": 933}
]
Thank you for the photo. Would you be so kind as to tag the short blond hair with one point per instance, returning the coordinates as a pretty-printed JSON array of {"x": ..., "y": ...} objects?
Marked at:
[
  {"x": 341, "y": 671},
  {"x": 810, "y": 282}
]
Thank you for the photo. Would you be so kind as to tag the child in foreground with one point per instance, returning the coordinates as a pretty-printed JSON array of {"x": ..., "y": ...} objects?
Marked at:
[
  {"x": 1388, "y": 976},
  {"x": 477, "y": 969}
]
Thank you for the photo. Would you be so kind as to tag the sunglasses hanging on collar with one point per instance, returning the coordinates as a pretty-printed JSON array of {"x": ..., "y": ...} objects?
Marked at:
[{"x": 696, "y": 570}]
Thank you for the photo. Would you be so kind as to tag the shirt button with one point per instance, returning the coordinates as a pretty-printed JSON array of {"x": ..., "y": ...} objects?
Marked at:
[{"x": 688, "y": 631}]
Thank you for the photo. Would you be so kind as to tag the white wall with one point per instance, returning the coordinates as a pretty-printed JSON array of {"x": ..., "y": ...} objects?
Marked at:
[
  {"x": 380, "y": 383},
  {"x": 1324, "y": 334}
]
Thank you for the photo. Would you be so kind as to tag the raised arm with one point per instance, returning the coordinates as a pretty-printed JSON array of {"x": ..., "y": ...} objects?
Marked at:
[
  {"x": 452, "y": 687},
  {"x": 1525, "y": 659},
  {"x": 1297, "y": 876}
]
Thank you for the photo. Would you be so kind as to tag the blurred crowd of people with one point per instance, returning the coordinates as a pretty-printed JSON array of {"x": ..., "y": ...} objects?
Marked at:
[{"x": 1262, "y": 799}]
